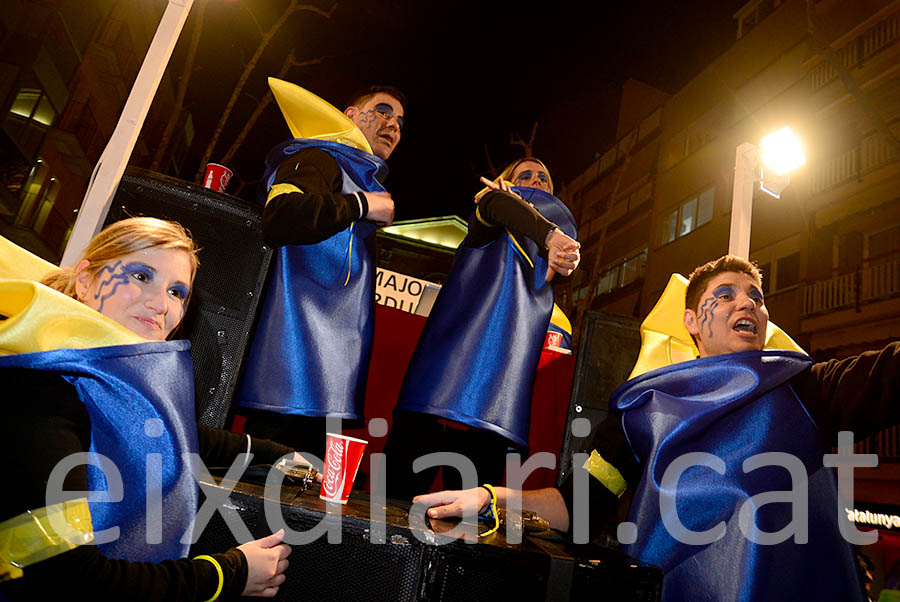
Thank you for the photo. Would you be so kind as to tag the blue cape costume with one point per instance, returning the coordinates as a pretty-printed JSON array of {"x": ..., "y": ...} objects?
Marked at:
[
  {"x": 310, "y": 351},
  {"x": 476, "y": 359},
  {"x": 732, "y": 406},
  {"x": 122, "y": 387}
]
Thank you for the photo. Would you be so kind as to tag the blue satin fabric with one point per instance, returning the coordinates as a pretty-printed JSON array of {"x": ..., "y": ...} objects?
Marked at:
[
  {"x": 476, "y": 359},
  {"x": 733, "y": 406},
  {"x": 310, "y": 351},
  {"x": 122, "y": 387}
]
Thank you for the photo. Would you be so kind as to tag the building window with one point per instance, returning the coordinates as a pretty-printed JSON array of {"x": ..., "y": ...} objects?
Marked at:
[
  {"x": 788, "y": 270},
  {"x": 668, "y": 228},
  {"x": 622, "y": 273},
  {"x": 689, "y": 216},
  {"x": 33, "y": 104}
]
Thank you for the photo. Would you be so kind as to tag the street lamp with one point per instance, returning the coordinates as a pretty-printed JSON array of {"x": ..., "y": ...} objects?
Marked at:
[{"x": 777, "y": 155}]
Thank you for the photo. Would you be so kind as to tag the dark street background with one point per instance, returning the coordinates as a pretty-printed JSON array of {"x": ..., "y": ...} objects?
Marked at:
[{"x": 475, "y": 74}]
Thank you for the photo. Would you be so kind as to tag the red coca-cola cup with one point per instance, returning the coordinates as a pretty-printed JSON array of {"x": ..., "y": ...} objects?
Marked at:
[
  {"x": 553, "y": 339},
  {"x": 217, "y": 177},
  {"x": 342, "y": 457}
]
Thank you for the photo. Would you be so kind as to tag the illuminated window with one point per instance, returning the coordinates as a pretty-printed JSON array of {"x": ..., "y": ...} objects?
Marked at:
[
  {"x": 32, "y": 103},
  {"x": 668, "y": 228},
  {"x": 689, "y": 216},
  {"x": 624, "y": 272}
]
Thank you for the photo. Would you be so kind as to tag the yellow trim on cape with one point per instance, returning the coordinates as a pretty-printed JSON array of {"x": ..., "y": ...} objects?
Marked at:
[
  {"x": 16, "y": 262},
  {"x": 666, "y": 341},
  {"x": 39, "y": 318},
  {"x": 309, "y": 116},
  {"x": 39, "y": 534},
  {"x": 559, "y": 318},
  {"x": 608, "y": 475}
]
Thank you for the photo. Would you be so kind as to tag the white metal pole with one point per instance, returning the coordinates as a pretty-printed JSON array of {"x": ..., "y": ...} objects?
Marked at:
[
  {"x": 745, "y": 159},
  {"x": 111, "y": 166}
]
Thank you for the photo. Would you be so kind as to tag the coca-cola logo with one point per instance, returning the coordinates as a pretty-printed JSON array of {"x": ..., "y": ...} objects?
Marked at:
[{"x": 333, "y": 481}]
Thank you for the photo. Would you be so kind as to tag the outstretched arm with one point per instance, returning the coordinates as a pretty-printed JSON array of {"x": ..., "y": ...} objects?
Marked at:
[{"x": 547, "y": 503}]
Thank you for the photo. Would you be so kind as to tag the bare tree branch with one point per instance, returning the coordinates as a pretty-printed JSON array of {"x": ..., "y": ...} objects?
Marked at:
[
  {"x": 288, "y": 63},
  {"x": 248, "y": 69},
  {"x": 527, "y": 147}
]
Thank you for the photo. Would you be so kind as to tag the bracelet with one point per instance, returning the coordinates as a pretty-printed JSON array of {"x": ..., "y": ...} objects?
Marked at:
[
  {"x": 215, "y": 563},
  {"x": 491, "y": 511}
]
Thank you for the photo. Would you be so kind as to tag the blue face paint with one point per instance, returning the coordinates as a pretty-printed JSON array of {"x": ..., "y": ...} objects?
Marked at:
[
  {"x": 757, "y": 296},
  {"x": 526, "y": 176},
  {"x": 180, "y": 292},
  {"x": 706, "y": 312},
  {"x": 117, "y": 277},
  {"x": 386, "y": 112}
]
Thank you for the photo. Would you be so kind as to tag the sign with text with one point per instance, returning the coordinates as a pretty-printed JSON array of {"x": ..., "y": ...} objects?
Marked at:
[
  {"x": 875, "y": 515},
  {"x": 398, "y": 290}
]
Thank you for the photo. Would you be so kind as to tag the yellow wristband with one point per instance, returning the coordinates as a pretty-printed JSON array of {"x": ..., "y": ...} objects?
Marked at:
[
  {"x": 492, "y": 508},
  {"x": 215, "y": 563}
]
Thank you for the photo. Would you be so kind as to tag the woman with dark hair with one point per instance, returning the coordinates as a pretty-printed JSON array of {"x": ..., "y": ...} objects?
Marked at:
[
  {"x": 468, "y": 385},
  {"x": 87, "y": 368}
]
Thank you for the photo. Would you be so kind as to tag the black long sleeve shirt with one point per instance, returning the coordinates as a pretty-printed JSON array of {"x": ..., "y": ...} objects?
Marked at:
[{"x": 41, "y": 422}]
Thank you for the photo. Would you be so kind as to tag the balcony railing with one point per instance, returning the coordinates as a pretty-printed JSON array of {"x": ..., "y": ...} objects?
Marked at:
[
  {"x": 869, "y": 283},
  {"x": 859, "y": 49},
  {"x": 871, "y": 153}
]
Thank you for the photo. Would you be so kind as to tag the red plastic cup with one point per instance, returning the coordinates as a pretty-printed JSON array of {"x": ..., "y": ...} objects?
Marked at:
[
  {"x": 217, "y": 177},
  {"x": 342, "y": 457},
  {"x": 553, "y": 339}
]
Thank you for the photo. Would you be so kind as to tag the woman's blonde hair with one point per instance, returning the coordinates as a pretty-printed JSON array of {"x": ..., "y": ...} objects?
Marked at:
[
  {"x": 123, "y": 238},
  {"x": 506, "y": 174}
]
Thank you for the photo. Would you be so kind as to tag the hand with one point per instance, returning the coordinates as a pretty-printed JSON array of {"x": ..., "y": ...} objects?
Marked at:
[
  {"x": 266, "y": 563},
  {"x": 563, "y": 255},
  {"x": 454, "y": 503},
  {"x": 491, "y": 185},
  {"x": 381, "y": 208}
]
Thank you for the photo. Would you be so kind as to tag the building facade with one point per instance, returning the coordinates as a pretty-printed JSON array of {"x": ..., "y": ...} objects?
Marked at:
[{"x": 66, "y": 70}]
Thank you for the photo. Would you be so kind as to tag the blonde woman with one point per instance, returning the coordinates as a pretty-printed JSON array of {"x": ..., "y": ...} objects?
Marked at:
[{"x": 99, "y": 376}]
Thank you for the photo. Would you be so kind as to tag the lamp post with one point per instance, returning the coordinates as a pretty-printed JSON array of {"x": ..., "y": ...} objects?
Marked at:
[{"x": 779, "y": 152}]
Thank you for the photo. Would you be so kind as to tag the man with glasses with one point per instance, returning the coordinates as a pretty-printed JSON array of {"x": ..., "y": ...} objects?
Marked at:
[{"x": 323, "y": 201}]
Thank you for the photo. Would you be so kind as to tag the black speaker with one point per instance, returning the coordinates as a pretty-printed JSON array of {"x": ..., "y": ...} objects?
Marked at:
[
  {"x": 411, "y": 566},
  {"x": 233, "y": 266},
  {"x": 607, "y": 350}
]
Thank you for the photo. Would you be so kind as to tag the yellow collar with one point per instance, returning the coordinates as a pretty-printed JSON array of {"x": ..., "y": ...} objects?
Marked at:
[
  {"x": 665, "y": 340},
  {"x": 309, "y": 116},
  {"x": 41, "y": 319}
]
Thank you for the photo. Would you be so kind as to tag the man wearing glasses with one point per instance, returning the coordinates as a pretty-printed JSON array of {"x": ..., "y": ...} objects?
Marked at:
[{"x": 323, "y": 201}]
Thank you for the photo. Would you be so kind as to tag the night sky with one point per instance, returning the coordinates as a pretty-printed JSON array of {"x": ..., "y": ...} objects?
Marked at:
[{"x": 474, "y": 74}]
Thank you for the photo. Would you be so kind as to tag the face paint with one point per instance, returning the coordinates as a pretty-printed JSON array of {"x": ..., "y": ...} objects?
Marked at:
[
  {"x": 530, "y": 174},
  {"x": 386, "y": 112},
  {"x": 732, "y": 316},
  {"x": 144, "y": 291},
  {"x": 706, "y": 313},
  {"x": 379, "y": 119}
]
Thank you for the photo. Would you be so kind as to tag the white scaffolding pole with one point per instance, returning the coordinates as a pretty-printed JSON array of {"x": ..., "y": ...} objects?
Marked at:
[{"x": 111, "y": 166}]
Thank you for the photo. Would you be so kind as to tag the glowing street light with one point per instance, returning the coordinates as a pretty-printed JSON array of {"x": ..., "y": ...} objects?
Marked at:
[{"x": 780, "y": 152}]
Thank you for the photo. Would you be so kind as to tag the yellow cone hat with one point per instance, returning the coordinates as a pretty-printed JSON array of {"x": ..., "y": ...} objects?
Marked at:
[
  {"x": 666, "y": 341},
  {"x": 309, "y": 116}
]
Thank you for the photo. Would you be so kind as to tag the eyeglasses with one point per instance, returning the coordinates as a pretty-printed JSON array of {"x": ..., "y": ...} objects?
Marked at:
[
  {"x": 386, "y": 112},
  {"x": 527, "y": 175}
]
